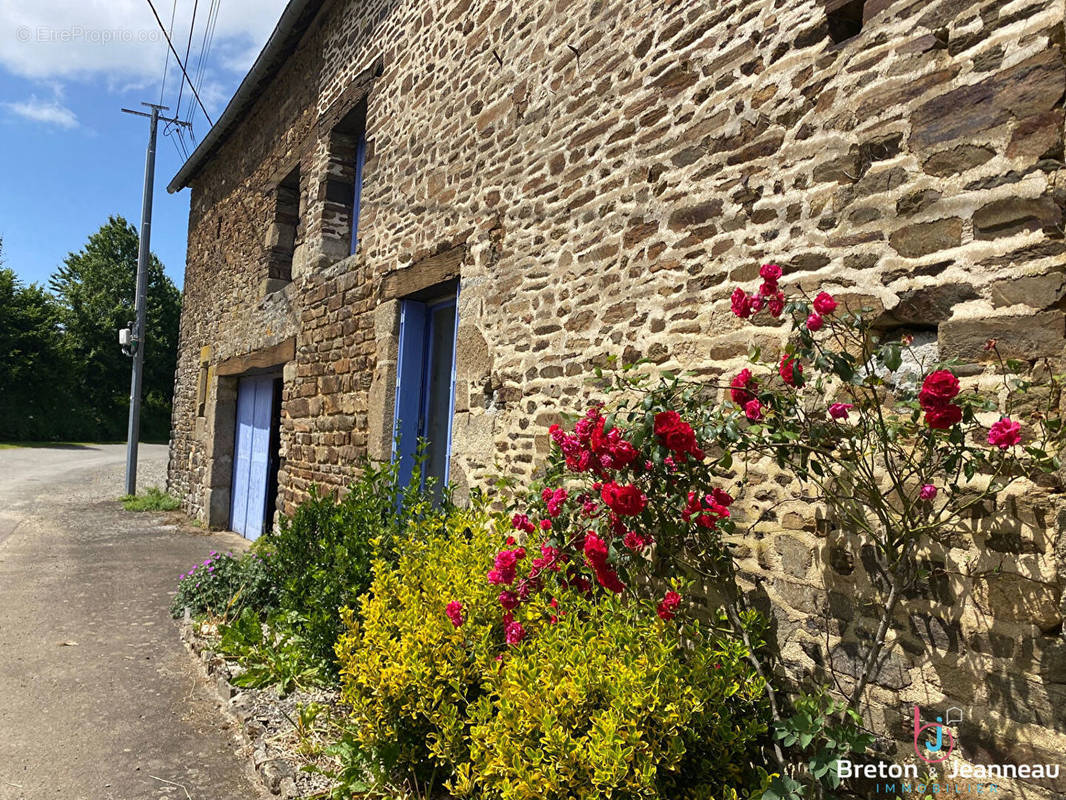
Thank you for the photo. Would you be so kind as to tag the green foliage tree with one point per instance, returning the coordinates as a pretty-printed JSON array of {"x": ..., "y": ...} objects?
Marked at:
[
  {"x": 95, "y": 291},
  {"x": 32, "y": 364}
]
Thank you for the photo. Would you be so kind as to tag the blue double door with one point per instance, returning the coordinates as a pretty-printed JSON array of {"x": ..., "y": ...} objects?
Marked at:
[
  {"x": 255, "y": 455},
  {"x": 425, "y": 388}
]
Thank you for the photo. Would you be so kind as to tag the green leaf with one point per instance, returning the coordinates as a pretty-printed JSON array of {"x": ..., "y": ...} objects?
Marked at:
[{"x": 892, "y": 356}]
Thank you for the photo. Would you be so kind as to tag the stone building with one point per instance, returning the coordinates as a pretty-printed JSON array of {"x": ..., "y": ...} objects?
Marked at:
[{"x": 447, "y": 211}]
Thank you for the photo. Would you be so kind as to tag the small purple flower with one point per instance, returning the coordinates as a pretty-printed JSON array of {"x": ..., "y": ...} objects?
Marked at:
[{"x": 928, "y": 492}]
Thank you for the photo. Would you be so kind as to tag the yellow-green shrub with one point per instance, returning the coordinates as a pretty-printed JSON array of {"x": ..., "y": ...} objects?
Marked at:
[
  {"x": 613, "y": 702},
  {"x": 609, "y": 702},
  {"x": 406, "y": 670}
]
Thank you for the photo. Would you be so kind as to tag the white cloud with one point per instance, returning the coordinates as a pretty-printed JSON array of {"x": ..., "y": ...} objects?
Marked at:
[
  {"x": 120, "y": 39},
  {"x": 50, "y": 112}
]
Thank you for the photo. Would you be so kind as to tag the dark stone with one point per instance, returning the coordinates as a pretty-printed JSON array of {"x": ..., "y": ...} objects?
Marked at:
[
  {"x": 693, "y": 216},
  {"x": 957, "y": 159},
  {"x": 1031, "y": 87},
  {"x": 882, "y": 181},
  {"x": 759, "y": 149},
  {"x": 1010, "y": 542},
  {"x": 805, "y": 262},
  {"x": 811, "y": 36},
  {"x": 917, "y": 201},
  {"x": 847, "y": 658},
  {"x": 990, "y": 59},
  {"x": 1036, "y": 291},
  {"x": 922, "y": 238},
  {"x": 896, "y": 96},
  {"x": 937, "y": 633},
  {"x": 1015, "y": 214},
  {"x": 943, "y": 13},
  {"x": 1029, "y": 252},
  {"x": 930, "y": 305},
  {"x": 881, "y": 148},
  {"x": 864, "y": 214},
  {"x": 842, "y": 169},
  {"x": 1025, "y": 337},
  {"x": 1037, "y": 137}
]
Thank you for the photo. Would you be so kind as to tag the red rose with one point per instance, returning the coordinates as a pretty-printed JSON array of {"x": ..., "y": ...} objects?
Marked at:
[
  {"x": 791, "y": 371},
  {"x": 938, "y": 389},
  {"x": 681, "y": 439},
  {"x": 665, "y": 421},
  {"x": 814, "y": 323},
  {"x": 740, "y": 303},
  {"x": 743, "y": 387},
  {"x": 775, "y": 304},
  {"x": 753, "y": 410},
  {"x": 668, "y": 605},
  {"x": 771, "y": 273},
  {"x": 676, "y": 434},
  {"x": 943, "y": 417},
  {"x": 1005, "y": 433},
  {"x": 454, "y": 611},
  {"x": 626, "y": 501},
  {"x": 824, "y": 303}
]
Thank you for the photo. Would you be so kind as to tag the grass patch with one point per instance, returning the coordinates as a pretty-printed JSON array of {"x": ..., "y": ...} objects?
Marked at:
[
  {"x": 57, "y": 445},
  {"x": 154, "y": 499}
]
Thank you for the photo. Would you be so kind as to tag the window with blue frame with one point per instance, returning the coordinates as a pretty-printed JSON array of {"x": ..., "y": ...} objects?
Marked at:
[
  {"x": 348, "y": 149},
  {"x": 425, "y": 384},
  {"x": 360, "y": 161}
]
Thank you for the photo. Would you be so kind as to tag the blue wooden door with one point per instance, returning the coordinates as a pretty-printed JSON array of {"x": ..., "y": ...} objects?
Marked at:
[
  {"x": 251, "y": 455},
  {"x": 425, "y": 388}
]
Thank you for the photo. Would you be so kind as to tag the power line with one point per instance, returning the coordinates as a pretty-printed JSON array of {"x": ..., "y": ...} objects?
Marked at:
[
  {"x": 170, "y": 44},
  {"x": 181, "y": 156},
  {"x": 166, "y": 61},
  {"x": 188, "y": 49},
  {"x": 205, "y": 49}
]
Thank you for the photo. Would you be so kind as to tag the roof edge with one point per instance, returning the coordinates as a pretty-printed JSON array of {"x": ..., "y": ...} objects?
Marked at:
[{"x": 294, "y": 20}]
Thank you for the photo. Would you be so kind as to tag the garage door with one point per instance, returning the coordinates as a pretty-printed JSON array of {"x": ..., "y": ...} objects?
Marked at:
[{"x": 250, "y": 489}]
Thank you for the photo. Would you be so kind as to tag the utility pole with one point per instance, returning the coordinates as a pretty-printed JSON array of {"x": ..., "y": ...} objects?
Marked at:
[{"x": 140, "y": 303}]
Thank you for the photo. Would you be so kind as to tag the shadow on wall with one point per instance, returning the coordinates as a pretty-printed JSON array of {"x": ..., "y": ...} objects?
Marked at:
[{"x": 981, "y": 629}]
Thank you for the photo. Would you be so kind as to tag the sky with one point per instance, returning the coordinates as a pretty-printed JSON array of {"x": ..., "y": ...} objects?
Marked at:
[{"x": 69, "y": 157}]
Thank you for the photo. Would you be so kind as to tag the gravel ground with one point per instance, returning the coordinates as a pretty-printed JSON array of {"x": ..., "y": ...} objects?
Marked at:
[
  {"x": 272, "y": 723},
  {"x": 99, "y": 699}
]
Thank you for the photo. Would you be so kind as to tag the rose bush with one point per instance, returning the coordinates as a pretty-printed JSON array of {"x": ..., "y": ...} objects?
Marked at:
[{"x": 897, "y": 451}]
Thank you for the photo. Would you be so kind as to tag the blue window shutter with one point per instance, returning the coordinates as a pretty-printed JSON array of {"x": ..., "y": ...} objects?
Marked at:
[
  {"x": 451, "y": 393},
  {"x": 360, "y": 160},
  {"x": 409, "y": 379}
]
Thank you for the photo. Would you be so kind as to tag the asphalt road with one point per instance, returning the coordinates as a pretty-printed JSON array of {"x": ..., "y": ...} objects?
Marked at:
[{"x": 99, "y": 700}]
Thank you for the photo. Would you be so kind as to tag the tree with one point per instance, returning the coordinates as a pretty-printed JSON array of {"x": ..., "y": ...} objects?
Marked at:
[
  {"x": 95, "y": 291},
  {"x": 32, "y": 369}
]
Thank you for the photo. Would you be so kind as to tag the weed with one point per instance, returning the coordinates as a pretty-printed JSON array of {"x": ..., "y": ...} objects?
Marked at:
[{"x": 154, "y": 499}]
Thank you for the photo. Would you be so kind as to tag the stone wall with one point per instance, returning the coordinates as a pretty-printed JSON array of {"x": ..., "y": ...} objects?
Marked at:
[{"x": 600, "y": 174}]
